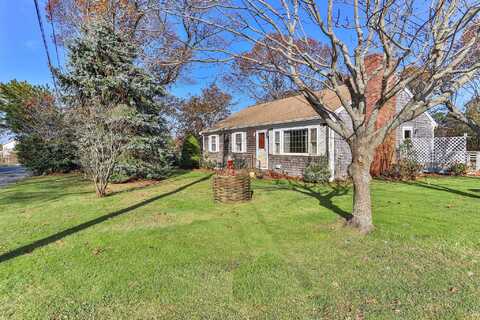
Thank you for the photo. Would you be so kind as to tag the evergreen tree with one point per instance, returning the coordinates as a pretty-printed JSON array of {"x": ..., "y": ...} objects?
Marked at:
[
  {"x": 190, "y": 153},
  {"x": 114, "y": 107}
]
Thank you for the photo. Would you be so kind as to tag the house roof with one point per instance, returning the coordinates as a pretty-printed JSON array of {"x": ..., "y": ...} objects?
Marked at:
[{"x": 289, "y": 109}]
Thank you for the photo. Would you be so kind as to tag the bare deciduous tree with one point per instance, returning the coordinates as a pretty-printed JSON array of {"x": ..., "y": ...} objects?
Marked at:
[
  {"x": 101, "y": 136},
  {"x": 166, "y": 45},
  {"x": 402, "y": 34},
  {"x": 470, "y": 96},
  {"x": 201, "y": 112},
  {"x": 262, "y": 84}
]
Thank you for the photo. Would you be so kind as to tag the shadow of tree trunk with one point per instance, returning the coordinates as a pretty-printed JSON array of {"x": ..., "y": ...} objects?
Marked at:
[{"x": 60, "y": 235}]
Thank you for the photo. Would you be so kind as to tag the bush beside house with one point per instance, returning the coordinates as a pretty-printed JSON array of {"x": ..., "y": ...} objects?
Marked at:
[{"x": 191, "y": 154}]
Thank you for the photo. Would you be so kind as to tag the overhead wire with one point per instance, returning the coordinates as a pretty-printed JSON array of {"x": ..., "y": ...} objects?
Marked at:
[{"x": 45, "y": 45}]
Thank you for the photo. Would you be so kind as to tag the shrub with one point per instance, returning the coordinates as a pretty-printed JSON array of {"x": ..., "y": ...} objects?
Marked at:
[
  {"x": 45, "y": 157},
  {"x": 208, "y": 164},
  {"x": 240, "y": 164},
  {"x": 407, "y": 167},
  {"x": 318, "y": 171},
  {"x": 190, "y": 157},
  {"x": 458, "y": 169}
]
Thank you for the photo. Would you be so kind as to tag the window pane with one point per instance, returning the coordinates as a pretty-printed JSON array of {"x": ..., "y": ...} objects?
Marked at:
[
  {"x": 238, "y": 142},
  {"x": 295, "y": 141},
  {"x": 277, "y": 142},
  {"x": 214, "y": 143},
  {"x": 261, "y": 140},
  {"x": 407, "y": 134}
]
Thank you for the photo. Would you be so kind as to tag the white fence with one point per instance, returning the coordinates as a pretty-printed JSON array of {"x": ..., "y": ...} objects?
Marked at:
[
  {"x": 440, "y": 153},
  {"x": 473, "y": 160}
]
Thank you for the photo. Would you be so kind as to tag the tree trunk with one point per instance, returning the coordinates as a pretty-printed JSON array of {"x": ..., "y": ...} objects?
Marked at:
[
  {"x": 100, "y": 188},
  {"x": 362, "y": 204}
]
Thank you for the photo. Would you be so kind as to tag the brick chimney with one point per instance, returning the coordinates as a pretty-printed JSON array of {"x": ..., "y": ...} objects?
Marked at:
[{"x": 385, "y": 153}]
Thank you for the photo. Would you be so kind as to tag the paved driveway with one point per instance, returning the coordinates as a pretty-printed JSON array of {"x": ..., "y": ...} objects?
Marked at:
[{"x": 9, "y": 174}]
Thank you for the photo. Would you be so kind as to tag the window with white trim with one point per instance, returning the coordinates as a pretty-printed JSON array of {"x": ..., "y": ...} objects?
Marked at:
[
  {"x": 213, "y": 143},
  {"x": 295, "y": 141},
  {"x": 276, "y": 142},
  {"x": 407, "y": 132},
  {"x": 239, "y": 142}
]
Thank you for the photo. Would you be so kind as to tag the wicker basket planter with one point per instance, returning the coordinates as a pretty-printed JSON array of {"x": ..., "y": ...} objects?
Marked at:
[{"x": 231, "y": 188}]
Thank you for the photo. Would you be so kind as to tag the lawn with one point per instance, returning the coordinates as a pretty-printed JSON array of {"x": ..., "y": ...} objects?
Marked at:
[{"x": 167, "y": 251}]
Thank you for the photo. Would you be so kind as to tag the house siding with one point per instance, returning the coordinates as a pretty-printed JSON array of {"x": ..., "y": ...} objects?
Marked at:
[
  {"x": 422, "y": 125},
  {"x": 342, "y": 153},
  {"x": 289, "y": 164},
  {"x": 216, "y": 157},
  {"x": 294, "y": 165},
  {"x": 248, "y": 157}
]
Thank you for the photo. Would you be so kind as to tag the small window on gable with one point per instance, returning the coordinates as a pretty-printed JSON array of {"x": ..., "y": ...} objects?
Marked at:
[{"x": 407, "y": 133}]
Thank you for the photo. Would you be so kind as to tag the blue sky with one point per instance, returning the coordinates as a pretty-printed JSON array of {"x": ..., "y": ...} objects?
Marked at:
[{"x": 22, "y": 55}]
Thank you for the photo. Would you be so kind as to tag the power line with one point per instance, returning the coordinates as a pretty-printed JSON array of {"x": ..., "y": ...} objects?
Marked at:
[
  {"x": 54, "y": 33},
  {"x": 42, "y": 31}
]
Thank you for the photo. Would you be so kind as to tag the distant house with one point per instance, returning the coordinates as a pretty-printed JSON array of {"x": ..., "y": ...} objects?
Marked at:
[
  {"x": 9, "y": 147},
  {"x": 7, "y": 152},
  {"x": 286, "y": 135}
]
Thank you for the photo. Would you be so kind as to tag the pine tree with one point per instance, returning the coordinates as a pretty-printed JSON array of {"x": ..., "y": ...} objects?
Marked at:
[{"x": 114, "y": 107}]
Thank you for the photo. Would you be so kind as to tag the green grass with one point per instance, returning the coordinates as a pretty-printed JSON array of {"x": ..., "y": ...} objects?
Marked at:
[{"x": 167, "y": 251}]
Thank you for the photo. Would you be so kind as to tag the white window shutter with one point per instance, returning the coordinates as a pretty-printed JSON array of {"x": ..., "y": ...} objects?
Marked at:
[
  {"x": 270, "y": 141},
  {"x": 244, "y": 142}
]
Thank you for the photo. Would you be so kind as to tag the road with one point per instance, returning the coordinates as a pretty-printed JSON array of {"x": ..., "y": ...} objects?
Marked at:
[{"x": 9, "y": 174}]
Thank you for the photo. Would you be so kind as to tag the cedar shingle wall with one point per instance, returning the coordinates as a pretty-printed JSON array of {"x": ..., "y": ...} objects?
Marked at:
[
  {"x": 216, "y": 157},
  {"x": 342, "y": 154},
  {"x": 247, "y": 157},
  {"x": 421, "y": 124},
  {"x": 291, "y": 165}
]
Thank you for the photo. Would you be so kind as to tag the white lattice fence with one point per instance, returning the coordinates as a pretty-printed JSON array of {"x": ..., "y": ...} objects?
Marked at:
[
  {"x": 439, "y": 153},
  {"x": 449, "y": 150}
]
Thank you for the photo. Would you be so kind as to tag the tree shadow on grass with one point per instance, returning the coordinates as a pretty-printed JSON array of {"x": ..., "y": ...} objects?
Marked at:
[
  {"x": 324, "y": 197},
  {"x": 60, "y": 235},
  {"x": 443, "y": 188},
  {"x": 38, "y": 197},
  {"x": 131, "y": 186}
]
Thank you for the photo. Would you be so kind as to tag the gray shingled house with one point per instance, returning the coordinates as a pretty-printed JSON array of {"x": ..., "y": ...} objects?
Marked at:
[{"x": 286, "y": 135}]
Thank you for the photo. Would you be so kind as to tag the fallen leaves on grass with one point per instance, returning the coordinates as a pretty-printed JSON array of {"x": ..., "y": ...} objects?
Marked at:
[{"x": 453, "y": 289}]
